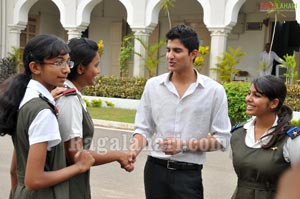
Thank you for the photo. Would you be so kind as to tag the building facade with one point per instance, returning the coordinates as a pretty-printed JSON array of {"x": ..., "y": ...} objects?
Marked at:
[{"x": 219, "y": 23}]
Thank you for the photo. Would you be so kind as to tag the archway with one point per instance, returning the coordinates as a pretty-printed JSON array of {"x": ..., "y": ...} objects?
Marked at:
[{"x": 108, "y": 22}]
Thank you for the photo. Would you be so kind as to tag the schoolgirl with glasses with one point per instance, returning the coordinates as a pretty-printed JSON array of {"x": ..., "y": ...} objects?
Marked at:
[{"x": 28, "y": 114}]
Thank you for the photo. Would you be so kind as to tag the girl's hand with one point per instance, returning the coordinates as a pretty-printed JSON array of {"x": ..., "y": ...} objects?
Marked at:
[
  {"x": 57, "y": 92},
  {"x": 84, "y": 160},
  {"x": 125, "y": 162}
]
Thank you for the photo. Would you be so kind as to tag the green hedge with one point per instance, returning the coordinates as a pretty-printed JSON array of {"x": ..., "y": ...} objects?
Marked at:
[
  {"x": 236, "y": 94},
  {"x": 132, "y": 88},
  {"x": 128, "y": 88}
]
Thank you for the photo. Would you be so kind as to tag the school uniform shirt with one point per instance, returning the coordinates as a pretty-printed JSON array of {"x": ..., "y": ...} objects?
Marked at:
[
  {"x": 75, "y": 121},
  {"x": 39, "y": 130},
  {"x": 291, "y": 149},
  {"x": 70, "y": 118},
  {"x": 37, "y": 123},
  {"x": 163, "y": 113}
]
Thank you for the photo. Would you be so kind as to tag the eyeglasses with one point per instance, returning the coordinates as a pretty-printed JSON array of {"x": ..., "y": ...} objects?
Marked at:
[{"x": 61, "y": 64}]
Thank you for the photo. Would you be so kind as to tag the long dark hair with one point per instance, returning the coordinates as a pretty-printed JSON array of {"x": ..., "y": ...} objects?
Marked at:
[
  {"x": 274, "y": 88},
  {"x": 12, "y": 90},
  {"x": 83, "y": 51}
]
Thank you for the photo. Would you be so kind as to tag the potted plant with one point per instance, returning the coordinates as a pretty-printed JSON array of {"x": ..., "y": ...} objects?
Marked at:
[{"x": 226, "y": 64}]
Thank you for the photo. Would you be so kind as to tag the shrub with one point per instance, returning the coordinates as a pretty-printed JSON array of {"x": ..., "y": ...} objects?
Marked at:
[
  {"x": 132, "y": 88},
  {"x": 236, "y": 94},
  {"x": 109, "y": 104},
  {"x": 128, "y": 88},
  {"x": 96, "y": 102},
  {"x": 87, "y": 102},
  {"x": 296, "y": 122},
  {"x": 293, "y": 96},
  {"x": 7, "y": 68}
]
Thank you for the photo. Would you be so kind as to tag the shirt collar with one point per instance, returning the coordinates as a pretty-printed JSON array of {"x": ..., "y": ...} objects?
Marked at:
[
  {"x": 166, "y": 78},
  {"x": 71, "y": 85},
  {"x": 38, "y": 87},
  {"x": 250, "y": 123}
]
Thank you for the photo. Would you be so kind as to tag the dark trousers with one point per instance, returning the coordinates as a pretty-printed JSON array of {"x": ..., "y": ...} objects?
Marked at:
[{"x": 163, "y": 183}]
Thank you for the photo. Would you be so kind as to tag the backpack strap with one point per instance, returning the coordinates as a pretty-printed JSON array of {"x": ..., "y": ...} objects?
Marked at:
[
  {"x": 54, "y": 109},
  {"x": 293, "y": 132}
]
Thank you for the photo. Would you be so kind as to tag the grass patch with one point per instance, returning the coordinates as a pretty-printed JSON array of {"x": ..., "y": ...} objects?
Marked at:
[{"x": 112, "y": 114}]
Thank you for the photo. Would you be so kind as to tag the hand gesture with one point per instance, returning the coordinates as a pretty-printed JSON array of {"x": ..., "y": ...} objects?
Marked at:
[
  {"x": 170, "y": 146},
  {"x": 57, "y": 92},
  {"x": 125, "y": 162},
  {"x": 84, "y": 160}
]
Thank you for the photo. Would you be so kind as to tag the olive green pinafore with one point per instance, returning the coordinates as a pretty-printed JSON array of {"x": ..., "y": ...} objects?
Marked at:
[
  {"x": 257, "y": 169},
  {"x": 55, "y": 159},
  {"x": 80, "y": 184}
]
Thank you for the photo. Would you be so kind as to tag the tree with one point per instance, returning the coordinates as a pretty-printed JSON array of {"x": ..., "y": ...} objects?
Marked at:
[
  {"x": 166, "y": 4},
  {"x": 151, "y": 58}
]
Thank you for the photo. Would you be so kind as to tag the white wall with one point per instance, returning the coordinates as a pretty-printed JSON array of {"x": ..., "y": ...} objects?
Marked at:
[{"x": 251, "y": 42}]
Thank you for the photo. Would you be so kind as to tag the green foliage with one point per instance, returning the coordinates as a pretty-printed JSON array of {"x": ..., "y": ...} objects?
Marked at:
[
  {"x": 132, "y": 88},
  {"x": 295, "y": 122},
  {"x": 226, "y": 64},
  {"x": 7, "y": 68},
  {"x": 293, "y": 96},
  {"x": 96, "y": 103},
  {"x": 236, "y": 94},
  {"x": 109, "y": 104},
  {"x": 291, "y": 74},
  {"x": 16, "y": 57},
  {"x": 150, "y": 59},
  {"x": 126, "y": 52},
  {"x": 129, "y": 88},
  {"x": 165, "y": 5},
  {"x": 87, "y": 102},
  {"x": 10, "y": 64}
]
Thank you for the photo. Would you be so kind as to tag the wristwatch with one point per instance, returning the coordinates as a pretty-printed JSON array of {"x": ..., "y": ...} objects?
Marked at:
[{"x": 184, "y": 147}]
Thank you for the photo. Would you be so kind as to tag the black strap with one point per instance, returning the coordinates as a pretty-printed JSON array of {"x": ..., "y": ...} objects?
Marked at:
[{"x": 53, "y": 107}]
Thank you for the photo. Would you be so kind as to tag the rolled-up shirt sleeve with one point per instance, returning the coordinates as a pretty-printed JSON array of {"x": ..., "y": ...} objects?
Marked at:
[
  {"x": 144, "y": 124},
  {"x": 221, "y": 125}
]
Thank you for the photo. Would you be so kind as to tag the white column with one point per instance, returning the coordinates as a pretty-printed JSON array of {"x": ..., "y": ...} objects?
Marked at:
[
  {"x": 74, "y": 32},
  {"x": 14, "y": 36},
  {"x": 217, "y": 47},
  {"x": 139, "y": 64}
]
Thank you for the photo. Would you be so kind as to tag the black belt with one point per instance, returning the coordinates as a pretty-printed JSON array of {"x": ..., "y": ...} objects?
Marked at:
[{"x": 175, "y": 165}]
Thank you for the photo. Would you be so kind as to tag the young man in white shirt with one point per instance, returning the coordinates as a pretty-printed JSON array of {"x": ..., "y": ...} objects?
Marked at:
[{"x": 182, "y": 115}]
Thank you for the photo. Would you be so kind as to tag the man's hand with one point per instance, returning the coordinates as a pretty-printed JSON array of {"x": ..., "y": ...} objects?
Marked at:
[{"x": 170, "y": 146}]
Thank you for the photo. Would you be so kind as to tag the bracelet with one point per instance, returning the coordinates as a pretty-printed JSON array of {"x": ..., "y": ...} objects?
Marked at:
[{"x": 184, "y": 147}]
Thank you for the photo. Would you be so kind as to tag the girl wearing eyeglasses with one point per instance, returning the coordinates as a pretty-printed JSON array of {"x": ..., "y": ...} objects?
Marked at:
[{"x": 28, "y": 114}]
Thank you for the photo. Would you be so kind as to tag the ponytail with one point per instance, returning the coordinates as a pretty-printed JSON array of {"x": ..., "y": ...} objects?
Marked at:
[
  {"x": 285, "y": 114},
  {"x": 12, "y": 92}
]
